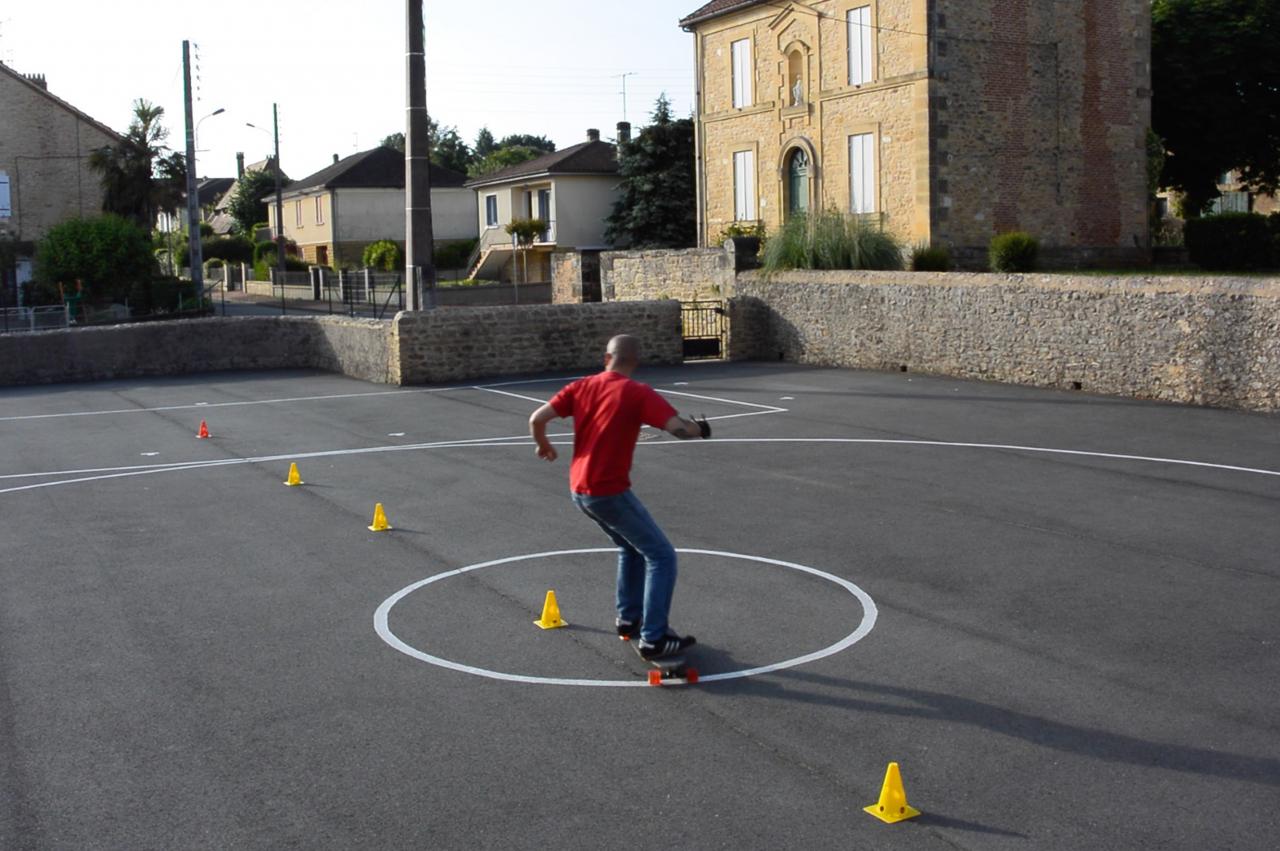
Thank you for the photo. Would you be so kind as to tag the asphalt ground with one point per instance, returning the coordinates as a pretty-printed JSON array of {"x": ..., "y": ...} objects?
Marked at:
[{"x": 1060, "y": 650}]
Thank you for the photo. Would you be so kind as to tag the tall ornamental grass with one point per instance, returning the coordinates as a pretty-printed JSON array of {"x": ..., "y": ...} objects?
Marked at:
[{"x": 831, "y": 240}]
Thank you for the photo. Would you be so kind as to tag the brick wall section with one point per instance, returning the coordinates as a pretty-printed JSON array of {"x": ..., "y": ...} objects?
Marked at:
[
  {"x": 469, "y": 343},
  {"x": 684, "y": 275},
  {"x": 356, "y": 347},
  {"x": 566, "y": 277},
  {"x": 1212, "y": 341},
  {"x": 44, "y": 148},
  {"x": 1039, "y": 111}
]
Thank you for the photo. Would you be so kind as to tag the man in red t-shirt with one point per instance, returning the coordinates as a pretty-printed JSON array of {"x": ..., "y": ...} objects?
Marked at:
[{"x": 608, "y": 410}]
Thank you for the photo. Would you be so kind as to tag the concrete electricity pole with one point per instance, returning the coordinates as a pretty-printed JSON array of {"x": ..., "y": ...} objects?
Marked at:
[
  {"x": 280, "y": 264},
  {"x": 193, "y": 199},
  {"x": 420, "y": 267}
]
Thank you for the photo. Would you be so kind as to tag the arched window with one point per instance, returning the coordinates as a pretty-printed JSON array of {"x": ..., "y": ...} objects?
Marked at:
[{"x": 798, "y": 181}]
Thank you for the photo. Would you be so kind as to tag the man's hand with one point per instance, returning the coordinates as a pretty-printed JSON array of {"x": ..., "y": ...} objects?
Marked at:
[
  {"x": 687, "y": 429},
  {"x": 538, "y": 428}
]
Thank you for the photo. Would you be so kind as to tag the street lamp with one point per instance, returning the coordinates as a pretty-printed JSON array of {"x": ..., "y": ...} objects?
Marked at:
[
  {"x": 279, "y": 234},
  {"x": 217, "y": 111}
]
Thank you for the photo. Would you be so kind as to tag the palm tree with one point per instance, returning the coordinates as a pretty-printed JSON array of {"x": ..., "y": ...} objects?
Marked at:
[{"x": 140, "y": 175}]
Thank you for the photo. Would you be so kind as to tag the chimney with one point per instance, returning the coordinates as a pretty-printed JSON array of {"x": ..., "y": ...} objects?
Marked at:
[
  {"x": 239, "y": 164},
  {"x": 624, "y": 132},
  {"x": 38, "y": 79},
  {"x": 593, "y": 135},
  {"x": 335, "y": 159}
]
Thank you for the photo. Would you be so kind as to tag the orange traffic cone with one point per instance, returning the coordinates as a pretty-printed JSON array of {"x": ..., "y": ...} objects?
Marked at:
[{"x": 203, "y": 434}]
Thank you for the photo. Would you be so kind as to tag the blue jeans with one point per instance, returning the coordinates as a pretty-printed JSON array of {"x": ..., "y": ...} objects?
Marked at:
[{"x": 646, "y": 560}]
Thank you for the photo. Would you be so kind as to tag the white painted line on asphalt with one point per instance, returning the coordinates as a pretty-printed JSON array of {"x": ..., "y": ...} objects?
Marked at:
[
  {"x": 538, "y": 402},
  {"x": 523, "y": 440},
  {"x": 770, "y": 408},
  {"x": 382, "y": 627}
]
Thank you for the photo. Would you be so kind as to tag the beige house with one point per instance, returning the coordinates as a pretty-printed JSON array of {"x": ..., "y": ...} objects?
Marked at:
[
  {"x": 336, "y": 212},
  {"x": 572, "y": 190},
  {"x": 945, "y": 121},
  {"x": 45, "y": 178}
]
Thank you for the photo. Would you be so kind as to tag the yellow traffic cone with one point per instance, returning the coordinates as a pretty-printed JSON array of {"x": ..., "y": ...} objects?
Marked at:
[
  {"x": 295, "y": 478},
  {"x": 892, "y": 806},
  {"x": 380, "y": 523},
  {"x": 550, "y": 613}
]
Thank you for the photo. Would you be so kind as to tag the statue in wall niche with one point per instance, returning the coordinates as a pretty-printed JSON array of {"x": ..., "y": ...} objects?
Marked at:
[{"x": 797, "y": 93}]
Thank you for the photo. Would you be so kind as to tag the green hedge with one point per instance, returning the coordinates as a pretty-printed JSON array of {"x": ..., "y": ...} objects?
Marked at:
[
  {"x": 1016, "y": 251},
  {"x": 454, "y": 255},
  {"x": 1232, "y": 241},
  {"x": 925, "y": 258}
]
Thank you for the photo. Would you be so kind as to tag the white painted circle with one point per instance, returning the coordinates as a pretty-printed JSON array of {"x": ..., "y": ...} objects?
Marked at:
[{"x": 384, "y": 630}]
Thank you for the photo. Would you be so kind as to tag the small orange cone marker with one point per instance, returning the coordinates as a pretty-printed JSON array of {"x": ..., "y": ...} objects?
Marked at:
[
  {"x": 892, "y": 806},
  {"x": 550, "y": 613},
  {"x": 380, "y": 523},
  {"x": 295, "y": 478},
  {"x": 203, "y": 434}
]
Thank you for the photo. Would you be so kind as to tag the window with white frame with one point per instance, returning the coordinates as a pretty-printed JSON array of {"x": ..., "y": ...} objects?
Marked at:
[
  {"x": 743, "y": 75},
  {"x": 297, "y": 213},
  {"x": 491, "y": 211},
  {"x": 319, "y": 209},
  {"x": 6, "y": 204},
  {"x": 860, "y": 32},
  {"x": 744, "y": 186},
  {"x": 862, "y": 173}
]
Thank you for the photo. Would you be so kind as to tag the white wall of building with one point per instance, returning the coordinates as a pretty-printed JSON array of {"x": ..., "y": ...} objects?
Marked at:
[
  {"x": 582, "y": 203},
  {"x": 367, "y": 215}
]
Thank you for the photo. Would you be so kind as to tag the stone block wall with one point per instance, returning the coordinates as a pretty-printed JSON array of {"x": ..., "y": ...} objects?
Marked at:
[
  {"x": 469, "y": 343},
  {"x": 683, "y": 275},
  {"x": 357, "y": 347},
  {"x": 1212, "y": 341},
  {"x": 566, "y": 277}
]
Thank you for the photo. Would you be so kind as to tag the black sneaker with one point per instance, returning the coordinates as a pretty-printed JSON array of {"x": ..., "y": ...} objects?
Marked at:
[
  {"x": 669, "y": 645},
  {"x": 627, "y": 630}
]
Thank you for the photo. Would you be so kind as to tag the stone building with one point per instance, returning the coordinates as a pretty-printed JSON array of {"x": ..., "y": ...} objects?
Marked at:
[
  {"x": 45, "y": 178},
  {"x": 946, "y": 121}
]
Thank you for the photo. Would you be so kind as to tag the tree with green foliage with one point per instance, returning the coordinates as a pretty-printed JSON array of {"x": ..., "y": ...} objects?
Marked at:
[
  {"x": 253, "y": 194},
  {"x": 109, "y": 254},
  {"x": 484, "y": 145},
  {"x": 526, "y": 140},
  {"x": 1216, "y": 64},
  {"x": 448, "y": 150},
  {"x": 140, "y": 176},
  {"x": 657, "y": 203},
  {"x": 385, "y": 255},
  {"x": 503, "y": 158}
]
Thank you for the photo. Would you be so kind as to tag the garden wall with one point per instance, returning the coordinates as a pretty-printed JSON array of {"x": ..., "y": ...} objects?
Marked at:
[
  {"x": 687, "y": 275},
  {"x": 1205, "y": 341},
  {"x": 466, "y": 343},
  {"x": 442, "y": 345}
]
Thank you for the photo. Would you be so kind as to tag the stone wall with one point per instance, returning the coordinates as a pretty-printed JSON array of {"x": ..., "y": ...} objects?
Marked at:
[
  {"x": 683, "y": 275},
  {"x": 1209, "y": 341},
  {"x": 566, "y": 277},
  {"x": 468, "y": 343},
  {"x": 357, "y": 347}
]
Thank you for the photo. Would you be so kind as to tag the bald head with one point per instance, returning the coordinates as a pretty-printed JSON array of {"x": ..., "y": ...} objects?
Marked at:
[{"x": 624, "y": 353}]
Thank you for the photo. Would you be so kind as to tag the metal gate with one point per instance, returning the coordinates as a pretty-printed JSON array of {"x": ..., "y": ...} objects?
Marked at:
[{"x": 705, "y": 329}]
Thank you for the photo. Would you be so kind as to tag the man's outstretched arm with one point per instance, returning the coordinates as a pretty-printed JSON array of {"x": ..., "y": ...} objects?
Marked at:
[
  {"x": 538, "y": 429},
  {"x": 684, "y": 429}
]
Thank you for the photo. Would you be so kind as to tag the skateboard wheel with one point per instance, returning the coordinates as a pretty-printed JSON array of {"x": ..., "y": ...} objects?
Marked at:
[
  {"x": 655, "y": 678},
  {"x": 691, "y": 676}
]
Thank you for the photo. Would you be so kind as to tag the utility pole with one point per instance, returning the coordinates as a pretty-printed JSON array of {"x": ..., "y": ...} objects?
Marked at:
[
  {"x": 280, "y": 267},
  {"x": 624, "y": 91},
  {"x": 193, "y": 199},
  {"x": 419, "y": 241}
]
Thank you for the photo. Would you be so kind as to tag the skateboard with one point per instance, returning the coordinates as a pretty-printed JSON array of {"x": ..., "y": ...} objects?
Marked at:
[{"x": 673, "y": 669}]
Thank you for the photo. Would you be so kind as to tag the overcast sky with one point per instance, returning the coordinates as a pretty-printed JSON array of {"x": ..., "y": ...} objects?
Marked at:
[{"x": 336, "y": 67}]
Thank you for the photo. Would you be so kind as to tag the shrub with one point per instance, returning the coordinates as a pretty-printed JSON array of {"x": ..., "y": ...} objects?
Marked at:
[
  {"x": 831, "y": 240},
  {"x": 264, "y": 264},
  {"x": 108, "y": 253},
  {"x": 756, "y": 230},
  {"x": 161, "y": 294},
  {"x": 526, "y": 230},
  {"x": 384, "y": 255},
  {"x": 454, "y": 255},
  {"x": 232, "y": 249},
  {"x": 1230, "y": 241},
  {"x": 930, "y": 258},
  {"x": 1013, "y": 252}
]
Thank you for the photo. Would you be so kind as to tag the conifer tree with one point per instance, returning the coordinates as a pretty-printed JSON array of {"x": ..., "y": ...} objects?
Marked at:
[{"x": 656, "y": 207}]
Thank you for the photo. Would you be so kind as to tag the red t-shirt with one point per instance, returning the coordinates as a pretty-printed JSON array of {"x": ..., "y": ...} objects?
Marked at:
[{"x": 608, "y": 410}]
